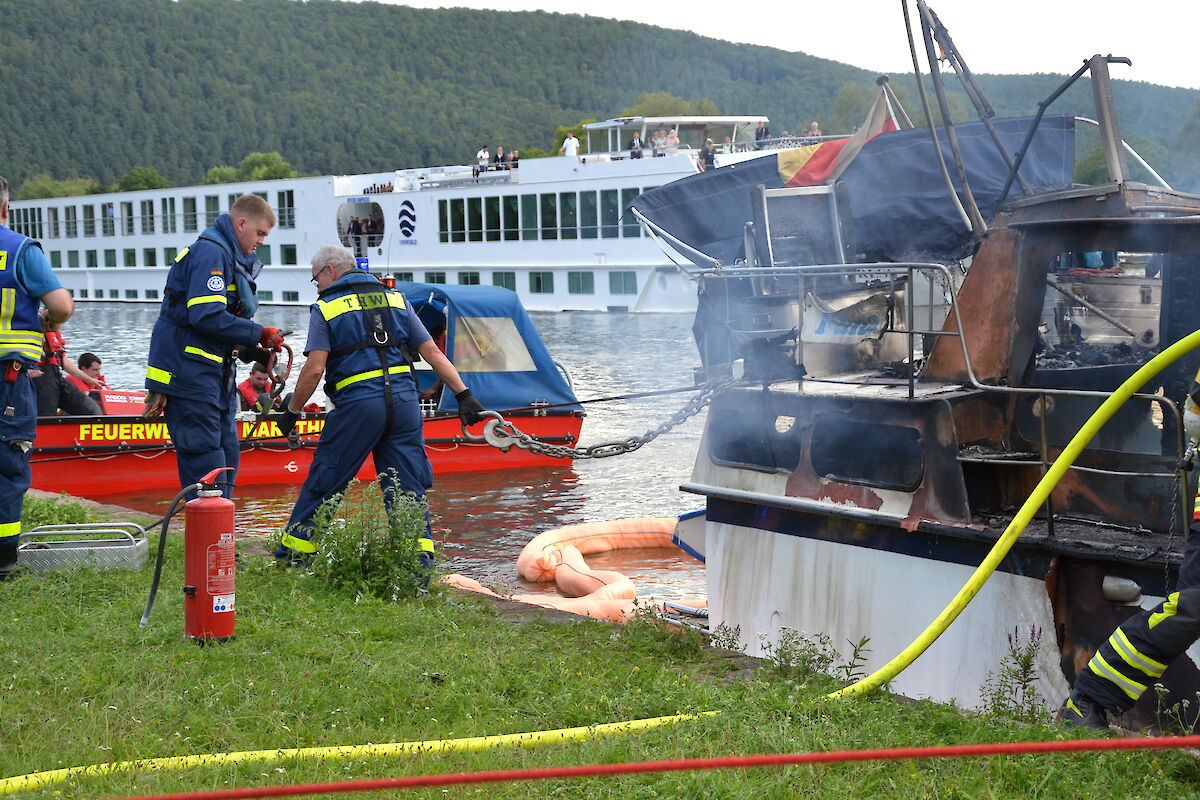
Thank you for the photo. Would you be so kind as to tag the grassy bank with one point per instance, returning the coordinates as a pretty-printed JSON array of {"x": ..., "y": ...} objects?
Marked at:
[{"x": 81, "y": 684}]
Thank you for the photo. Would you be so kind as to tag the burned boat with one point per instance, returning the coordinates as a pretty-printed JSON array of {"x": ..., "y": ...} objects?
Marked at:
[{"x": 916, "y": 346}]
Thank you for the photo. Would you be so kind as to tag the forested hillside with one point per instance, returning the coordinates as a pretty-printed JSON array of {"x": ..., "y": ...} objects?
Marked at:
[{"x": 93, "y": 89}]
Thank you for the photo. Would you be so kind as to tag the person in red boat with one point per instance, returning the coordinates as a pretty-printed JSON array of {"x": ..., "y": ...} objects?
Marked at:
[{"x": 89, "y": 365}]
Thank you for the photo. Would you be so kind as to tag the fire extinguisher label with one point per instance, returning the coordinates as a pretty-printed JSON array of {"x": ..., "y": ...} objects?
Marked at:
[
  {"x": 222, "y": 566},
  {"x": 222, "y": 602}
]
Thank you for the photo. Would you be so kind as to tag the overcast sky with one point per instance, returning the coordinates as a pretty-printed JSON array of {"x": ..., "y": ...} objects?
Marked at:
[{"x": 1005, "y": 36}]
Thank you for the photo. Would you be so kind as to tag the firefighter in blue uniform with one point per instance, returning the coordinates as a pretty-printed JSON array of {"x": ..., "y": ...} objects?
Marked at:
[
  {"x": 25, "y": 279},
  {"x": 358, "y": 335},
  {"x": 1137, "y": 653},
  {"x": 205, "y": 314}
]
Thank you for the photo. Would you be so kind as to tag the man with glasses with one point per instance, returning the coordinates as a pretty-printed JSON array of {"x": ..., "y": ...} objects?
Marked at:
[
  {"x": 360, "y": 336},
  {"x": 205, "y": 314}
]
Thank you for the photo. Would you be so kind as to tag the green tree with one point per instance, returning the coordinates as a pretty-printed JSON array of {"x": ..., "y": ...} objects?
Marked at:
[
  {"x": 265, "y": 167},
  {"x": 141, "y": 178},
  {"x": 849, "y": 108},
  {"x": 665, "y": 104},
  {"x": 222, "y": 174},
  {"x": 42, "y": 185}
]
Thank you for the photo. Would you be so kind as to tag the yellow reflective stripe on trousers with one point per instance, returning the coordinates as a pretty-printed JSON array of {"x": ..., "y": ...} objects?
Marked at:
[
  {"x": 9, "y": 529},
  {"x": 156, "y": 374},
  {"x": 1170, "y": 609},
  {"x": 208, "y": 298},
  {"x": 1102, "y": 668},
  {"x": 364, "y": 376},
  {"x": 298, "y": 544},
  {"x": 358, "y": 302},
  {"x": 196, "y": 351},
  {"x": 1130, "y": 655}
]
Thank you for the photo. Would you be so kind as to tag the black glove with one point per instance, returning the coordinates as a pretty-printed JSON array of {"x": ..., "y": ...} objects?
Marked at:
[
  {"x": 248, "y": 353},
  {"x": 469, "y": 409},
  {"x": 286, "y": 420}
]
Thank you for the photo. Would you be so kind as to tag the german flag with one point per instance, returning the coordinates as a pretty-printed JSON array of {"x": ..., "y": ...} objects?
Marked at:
[{"x": 822, "y": 163}]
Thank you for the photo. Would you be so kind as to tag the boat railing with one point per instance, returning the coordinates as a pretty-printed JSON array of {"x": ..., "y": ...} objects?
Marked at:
[{"x": 907, "y": 270}]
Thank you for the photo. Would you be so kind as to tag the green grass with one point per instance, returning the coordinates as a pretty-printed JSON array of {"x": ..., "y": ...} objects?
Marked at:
[{"x": 81, "y": 684}]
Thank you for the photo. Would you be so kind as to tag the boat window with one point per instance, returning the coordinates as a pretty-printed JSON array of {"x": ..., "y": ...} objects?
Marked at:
[
  {"x": 549, "y": 216},
  {"x": 368, "y": 224},
  {"x": 623, "y": 282},
  {"x": 82, "y": 292},
  {"x": 490, "y": 344},
  {"x": 529, "y": 226},
  {"x": 541, "y": 282},
  {"x": 212, "y": 208},
  {"x": 53, "y": 213},
  {"x": 69, "y": 218},
  {"x": 287, "y": 254},
  {"x": 108, "y": 220},
  {"x": 72, "y": 259},
  {"x": 610, "y": 213},
  {"x": 285, "y": 208},
  {"x": 169, "y": 254},
  {"x": 168, "y": 214},
  {"x": 130, "y": 257},
  {"x": 131, "y": 294},
  {"x": 110, "y": 258},
  {"x": 475, "y": 219},
  {"x": 630, "y": 228},
  {"x": 505, "y": 280},
  {"x": 189, "y": 213},
  {"x": 291, "y": 297},
  {"x": 512, "y": 222},
  {"x": 435, "y": 277},
  {"x": 567, "y": 218},
  {"x": 588, "y": 229},
  {"x": 443, "y": 220},
  {"x": 491, "y": 208},
  {"x": 92, "y": 260},
  {"x": 581, "y": 283},
  {"x": 152, "y": 294},
  {"x": 264, "y": 295},
  {"x": 468, "y": 279},
  {"x": 89, "y": 220},
  {"x": 403, "y": 276},
  {"x": 854, "y": 451},
  {"x": 127, "y": 219},
  {"x": 56, "y": 259},
  {"x": 150, "y": 256},
  {"x": 146, "y": 208}
]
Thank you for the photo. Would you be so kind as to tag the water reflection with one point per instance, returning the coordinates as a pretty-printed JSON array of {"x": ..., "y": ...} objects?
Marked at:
[{"x": 483, "y": 521}]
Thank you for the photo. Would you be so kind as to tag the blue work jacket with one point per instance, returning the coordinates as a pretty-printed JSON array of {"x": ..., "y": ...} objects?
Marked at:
[{"x": 202, "y": 317}]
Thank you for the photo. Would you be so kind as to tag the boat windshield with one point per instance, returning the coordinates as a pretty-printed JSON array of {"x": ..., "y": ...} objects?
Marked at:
[{"x": 490, "y": 344}]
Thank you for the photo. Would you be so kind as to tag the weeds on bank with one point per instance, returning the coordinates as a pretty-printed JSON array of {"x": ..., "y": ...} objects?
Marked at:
[
  {"x": 60, "y": 510},
  {"x": 1011, "y": 691},
  {"x": 796, "y": 652}
]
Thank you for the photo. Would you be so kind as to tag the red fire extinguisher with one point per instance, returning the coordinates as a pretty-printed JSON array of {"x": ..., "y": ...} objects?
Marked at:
[
  {"x": 209, "y": 567},
  {"x": 210, "y": 563}
]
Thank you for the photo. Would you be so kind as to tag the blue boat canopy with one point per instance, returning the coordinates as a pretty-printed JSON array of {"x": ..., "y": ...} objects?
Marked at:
[{"x": 492, "y": 342}]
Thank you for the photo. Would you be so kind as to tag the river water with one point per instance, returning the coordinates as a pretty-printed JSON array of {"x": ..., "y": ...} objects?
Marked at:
[{"x": 482, "y": 520}]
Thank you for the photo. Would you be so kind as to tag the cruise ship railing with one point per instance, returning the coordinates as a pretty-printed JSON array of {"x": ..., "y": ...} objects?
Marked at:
[{"x": 908, "y": 269}]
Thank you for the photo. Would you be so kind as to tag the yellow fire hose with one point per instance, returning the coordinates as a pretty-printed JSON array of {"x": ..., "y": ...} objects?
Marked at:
[{"x": 967, "y": 593}]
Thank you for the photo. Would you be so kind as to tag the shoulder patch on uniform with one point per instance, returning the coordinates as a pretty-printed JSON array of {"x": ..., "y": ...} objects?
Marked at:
[{"x": 216, "y": 283}]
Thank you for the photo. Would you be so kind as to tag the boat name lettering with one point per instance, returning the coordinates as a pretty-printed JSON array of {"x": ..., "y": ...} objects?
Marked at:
[
  {"x": 267, "y": 429},
  {"x": 125, "y": 431},
  {"x": 358, "y": 200}
]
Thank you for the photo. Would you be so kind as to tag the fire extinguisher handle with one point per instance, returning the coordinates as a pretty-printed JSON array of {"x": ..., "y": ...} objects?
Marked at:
[{"x": 211, "y": 478}]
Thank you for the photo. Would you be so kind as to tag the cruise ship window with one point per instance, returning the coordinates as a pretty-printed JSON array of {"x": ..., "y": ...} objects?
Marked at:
[
  {"x": 69, "y": 221},
  {"x": 287, "y": 254},
  {"x": 458, "y": 221},
  {"x": 264, "y": 254},
  {"x": 168, "y": 215},
  {"x": 72, "y": 259},
  {"x": 169, "y": 254},
  {"x": 622, "y": 282},
  {"x": 127, "y": 218},
  {"x": 291, "y": 297},
  {"x": 83, "y": 293},
  {"x": 110, "y": 258},
  {"x": 150, "y": 257},
  {"x": 541, "y": 282},
  {"x": 512, "y": 221},
  {"x": 93, "y": 260},
  {"x": 610, "y": 213},
  {"x": 266, "y": 296},
  {"x": 588, "y": 229},
  {"x": 443, "y": 221},
  {"x": 403, "y": 276},
  {"x": 189, "y": 213},
  {"x": 567, "y": 217},
  {"x": 549, "y": 204},
  {"x": 435, "y": 277},
  {"x": 285, "y": 208},
  {"x": 113, "y": 294},
  {"x": 491, "y": 214},
  {"x": 130, "y": 257},
  {"x": 581, "y": 283},
  {"x": 89, "y": 220},
  {"x": 529, "y": 226},
  {"x": 109, "y": 219},
  {"x": 131, "y": 294},
  {"x": 212, "y": 208},
  {"x": 147, "y": 213},
  {"x": 56, "y": 259},
  {"x": 475, "y": 219},
  {"x": 629, "y": 224},
  {"x": 468, "y": 279},
  {"x": 152, "y": 294},
  {"x": 233, "y": 199},
  {"x": 505, "y": 280},
  {"x": 53, "y": 214}
]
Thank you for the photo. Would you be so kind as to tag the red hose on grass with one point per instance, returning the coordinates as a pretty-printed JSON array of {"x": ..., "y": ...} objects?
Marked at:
[{"x": 687, "y": 764}]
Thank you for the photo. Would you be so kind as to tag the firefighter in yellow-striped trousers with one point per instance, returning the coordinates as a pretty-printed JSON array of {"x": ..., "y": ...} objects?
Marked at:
[{"x": 1137, "y": 653}]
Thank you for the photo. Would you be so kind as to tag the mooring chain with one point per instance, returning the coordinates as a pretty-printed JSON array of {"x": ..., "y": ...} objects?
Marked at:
[{"x": 503, "y": 434}]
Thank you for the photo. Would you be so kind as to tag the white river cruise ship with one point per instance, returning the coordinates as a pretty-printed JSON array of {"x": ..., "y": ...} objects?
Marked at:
[{"x": 555, "y": 230}]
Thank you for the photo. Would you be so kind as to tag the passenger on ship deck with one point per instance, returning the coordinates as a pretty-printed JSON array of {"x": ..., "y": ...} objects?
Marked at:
[
  {"x": 256, "y": 389},
  {"x": 1137, "y": 653},
  {"x": 206, "y": 311},
  {"x": 513, "y": 157},
  {"x": 358, "y": 335},
  {"x": 500, "y": 163},
  {"x": 89, "y": 364},
  {"x": 482, "y": 159},
  {"x": 54, "y": 392},
  {"x": 27, "y": 281},
  {"x": 570, "y": 146},
  {"x": 635, "y": 146},
  {"x": 708, "y": 156},
  {"x": 761, "y": 134}
]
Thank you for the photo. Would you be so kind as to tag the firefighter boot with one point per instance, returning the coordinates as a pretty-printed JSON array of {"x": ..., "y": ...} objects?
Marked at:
[
  {"x": 1084, "y": 712},
  {"x": 8, "y": 561}
]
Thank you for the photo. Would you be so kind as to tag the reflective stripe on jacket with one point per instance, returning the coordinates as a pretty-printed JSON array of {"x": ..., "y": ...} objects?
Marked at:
[{"x": 20, "y": 329}]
